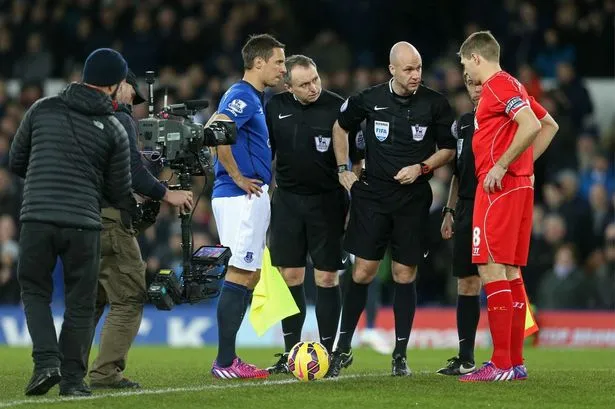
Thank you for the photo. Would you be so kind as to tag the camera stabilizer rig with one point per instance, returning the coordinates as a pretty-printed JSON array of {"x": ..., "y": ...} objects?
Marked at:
[{"x": 181, "y": 144}]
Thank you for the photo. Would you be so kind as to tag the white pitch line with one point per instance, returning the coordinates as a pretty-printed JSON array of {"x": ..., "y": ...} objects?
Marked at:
[{"x": 235, "y": 384}]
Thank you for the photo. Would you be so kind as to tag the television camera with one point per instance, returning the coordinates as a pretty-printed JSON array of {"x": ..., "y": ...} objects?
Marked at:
[{"x": 172, "y": 138}]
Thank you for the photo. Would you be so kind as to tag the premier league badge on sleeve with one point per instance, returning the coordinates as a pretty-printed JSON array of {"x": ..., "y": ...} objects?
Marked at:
[
  {"x": 236, "y": 107},
  {"x": 249, "y": 257}
]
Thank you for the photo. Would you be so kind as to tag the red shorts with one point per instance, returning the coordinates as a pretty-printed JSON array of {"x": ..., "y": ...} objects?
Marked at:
[{"x": 502, "y": 222}]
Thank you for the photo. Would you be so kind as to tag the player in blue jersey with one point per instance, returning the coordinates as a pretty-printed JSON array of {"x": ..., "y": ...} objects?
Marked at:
[{"x": 240, "y": 199}]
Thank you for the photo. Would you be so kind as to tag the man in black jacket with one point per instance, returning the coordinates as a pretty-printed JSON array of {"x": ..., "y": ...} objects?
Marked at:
[
  {"x": 122, "y": 270},
  {"x": 72, "y": 152}
]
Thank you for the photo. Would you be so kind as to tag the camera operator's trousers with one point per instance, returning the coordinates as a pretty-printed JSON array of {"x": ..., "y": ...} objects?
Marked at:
[
  {"x": 122, "y": 286},
  {"x": 40, "y": 244}
]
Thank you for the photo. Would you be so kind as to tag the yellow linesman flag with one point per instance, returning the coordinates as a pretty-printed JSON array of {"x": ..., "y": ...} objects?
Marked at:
[
  {"x": 530, "y": 323},
  {"x": 272, "y": 300}
]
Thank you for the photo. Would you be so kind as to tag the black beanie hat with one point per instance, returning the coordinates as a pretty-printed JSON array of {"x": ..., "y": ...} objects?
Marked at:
[{"x": 104, "y": 67}]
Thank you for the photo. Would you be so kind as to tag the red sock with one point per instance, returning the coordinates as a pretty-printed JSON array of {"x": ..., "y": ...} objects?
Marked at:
[
  {"x": 499, "y": 309},
  {"x": 517, "y": 333}
]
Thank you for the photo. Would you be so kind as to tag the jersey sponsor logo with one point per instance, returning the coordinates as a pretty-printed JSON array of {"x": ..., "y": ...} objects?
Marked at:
[
  {"x": 381, "y": 129},
  {"x": 249, "y": 257},
  {"x": 360, "y": 140},
  {"x": 514, "y": 103},
  {"x": 418, "y": 132},
  {"x": 344, "y": 106},
  {"x": 459, "y": 147},
  {"x": 454, "y": 129},
  {"x": 322, "y": 143},
  {"x": 236, "y": 106}
]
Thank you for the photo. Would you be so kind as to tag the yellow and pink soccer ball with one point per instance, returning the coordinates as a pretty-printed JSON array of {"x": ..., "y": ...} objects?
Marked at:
[{"x": 308, "y": 361}]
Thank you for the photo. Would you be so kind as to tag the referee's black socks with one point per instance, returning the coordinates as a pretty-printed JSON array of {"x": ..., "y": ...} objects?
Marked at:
[
  {"x": 468, "y": 314},
  {"x": 355, "y": 299},
  {"x": 404, "y": 306},
  {"x": 328, "y": 306},
  {"x": 292, "y": 326}
]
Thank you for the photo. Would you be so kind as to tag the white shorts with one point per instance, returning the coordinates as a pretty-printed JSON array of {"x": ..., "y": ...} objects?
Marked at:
[{"x": 242, "y": 225}]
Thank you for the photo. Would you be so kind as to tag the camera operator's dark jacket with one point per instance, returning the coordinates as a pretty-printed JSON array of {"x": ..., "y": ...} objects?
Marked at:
[
  {"x": 72, "y": 151},
  {"x": 143, "y": 182}
]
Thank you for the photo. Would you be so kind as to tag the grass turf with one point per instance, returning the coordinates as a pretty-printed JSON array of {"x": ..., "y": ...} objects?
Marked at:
[{"x": 179, "y": 378}]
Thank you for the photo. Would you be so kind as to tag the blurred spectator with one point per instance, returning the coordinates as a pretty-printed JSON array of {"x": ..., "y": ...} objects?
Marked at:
[
  {"x": 605, "y": 275},
  {"x": 565, "y": 286},
  {"x": 329, "y": 52},
  {"x": 574, "y": 97},
  {"x": 576, "y": 212},
  {"x": 36, "y": 64},
  {"x": 600, "y": 173},
  {"x": 600, "y": 211},
  {"x": 141, "y": 46},
  {"x": 531, "y": 82},
  {"x": 553, "y": 54},
  {"x": 9, "y": 252},
  {"x": 546, "y": 237}
]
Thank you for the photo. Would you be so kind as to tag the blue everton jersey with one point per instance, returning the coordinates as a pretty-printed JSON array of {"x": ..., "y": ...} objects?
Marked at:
[{"x": 244, "y": 105}]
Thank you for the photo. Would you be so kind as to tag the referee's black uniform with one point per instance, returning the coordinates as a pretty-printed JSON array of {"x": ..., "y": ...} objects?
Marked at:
[
  {"x": 463, "y": 129},
  {"x": 400, "y": 131},
  {"x": 309, "y": 205}
]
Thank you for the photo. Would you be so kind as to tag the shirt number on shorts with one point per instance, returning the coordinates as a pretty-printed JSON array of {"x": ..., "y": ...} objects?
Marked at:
[{"x": 476, "y": 237}]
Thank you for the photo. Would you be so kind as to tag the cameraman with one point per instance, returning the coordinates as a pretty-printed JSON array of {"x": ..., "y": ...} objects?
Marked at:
[
  {"x": 71, "y": 151},
  {"x": 122, "y": 270}
]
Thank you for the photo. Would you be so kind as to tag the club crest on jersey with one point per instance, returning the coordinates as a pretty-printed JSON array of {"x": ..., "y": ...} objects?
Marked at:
[
  {"x": 236, "y": 106},
  {"x": 249, "y": 257},
  {"x": 381, "y": 129},
  {"x": 418, "y": 132},
  {"x": 322, "y": 143}
]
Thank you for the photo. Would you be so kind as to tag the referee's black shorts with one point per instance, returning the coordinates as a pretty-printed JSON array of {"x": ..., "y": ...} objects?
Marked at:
[
  {"x": 401, "y": 220},
  {"x": 462, "y": 244},
  {"x": 308, "y": 223}
]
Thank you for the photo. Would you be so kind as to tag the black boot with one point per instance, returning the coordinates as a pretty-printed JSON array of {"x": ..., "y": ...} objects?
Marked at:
[
  {"x": 42, "y": 380},
  {"x": 74, "y": 389}
]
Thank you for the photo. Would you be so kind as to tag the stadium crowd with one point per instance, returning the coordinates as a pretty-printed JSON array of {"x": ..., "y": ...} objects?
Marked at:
[{"x": 194, "y": 48}]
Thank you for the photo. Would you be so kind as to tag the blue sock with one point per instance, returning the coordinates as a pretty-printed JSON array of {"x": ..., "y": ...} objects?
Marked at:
[{"x": 231, "y": 309}]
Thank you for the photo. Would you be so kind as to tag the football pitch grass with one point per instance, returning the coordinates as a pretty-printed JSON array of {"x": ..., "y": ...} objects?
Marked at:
[{"x": 180, "y": 378}]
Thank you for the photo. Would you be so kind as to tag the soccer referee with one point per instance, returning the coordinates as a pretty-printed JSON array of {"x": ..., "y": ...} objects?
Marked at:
[
  {"x": 309, "y": 205},
  {"x": 408, "y": 135},
  {"x": 457, "y": 215}
]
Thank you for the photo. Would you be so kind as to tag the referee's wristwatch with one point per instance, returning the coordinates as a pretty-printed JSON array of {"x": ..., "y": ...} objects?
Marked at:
[
  {"x": 446, "y": 210},
  {"x": 424, "y": 168},
  {"x": 342, "y": 168}
]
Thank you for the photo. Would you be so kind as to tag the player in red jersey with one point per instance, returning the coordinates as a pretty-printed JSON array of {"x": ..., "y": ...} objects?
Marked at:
[{"x": 511, "y": 131}]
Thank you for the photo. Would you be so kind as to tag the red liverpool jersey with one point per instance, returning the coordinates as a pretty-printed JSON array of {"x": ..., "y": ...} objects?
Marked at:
[{"x": 501, "y": 99}]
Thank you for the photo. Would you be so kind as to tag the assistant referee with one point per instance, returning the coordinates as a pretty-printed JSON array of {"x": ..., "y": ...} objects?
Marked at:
[
  {"x": 407, "y": 136},
  {"x": 309, "y": 206}
]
